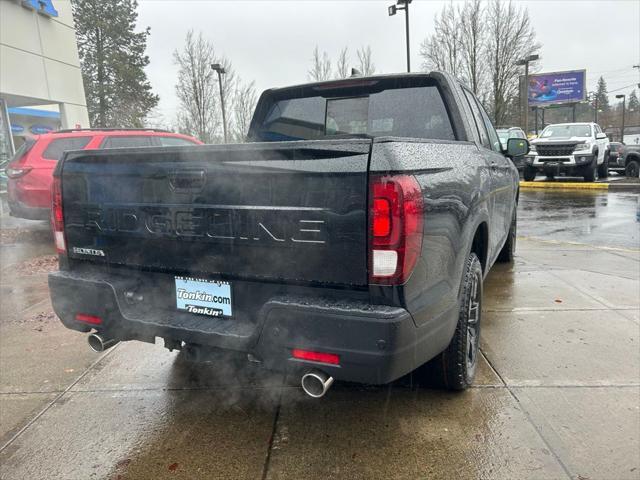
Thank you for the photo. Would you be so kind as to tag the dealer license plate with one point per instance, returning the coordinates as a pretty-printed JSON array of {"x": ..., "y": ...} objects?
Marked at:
[{"x": 203, "y": 297}]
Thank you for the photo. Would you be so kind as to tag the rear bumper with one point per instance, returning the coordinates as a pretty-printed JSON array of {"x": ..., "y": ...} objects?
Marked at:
[
  {"x": 376, "y": 343},
  {"x": 19, "y": 209}
]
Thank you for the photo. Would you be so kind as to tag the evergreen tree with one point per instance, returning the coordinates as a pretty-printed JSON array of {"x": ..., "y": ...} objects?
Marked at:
[
  {"x": 602, "y": 96},
  {"x": 112, "y": 59},
  {"x": 633, "y": 108}
]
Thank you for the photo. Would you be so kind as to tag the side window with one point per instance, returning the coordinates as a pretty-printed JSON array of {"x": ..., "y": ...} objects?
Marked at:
[
  {"x": 58, "y": 146},
  {"x": 493, "y": 136},
  {"x": 129, "y": 141},
  {"x": 484, "y": 137},
  {"x": 174, "y": 141}
]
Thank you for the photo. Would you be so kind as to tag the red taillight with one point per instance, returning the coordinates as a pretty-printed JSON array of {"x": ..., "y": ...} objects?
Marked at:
[
  {"x": 396, "y": 228},
  {"x": 91, "y": 319},
  {"x": 14, "y": 173},
  {"x": 321, "y": 357},
  {"x": 57, "y": 217}
]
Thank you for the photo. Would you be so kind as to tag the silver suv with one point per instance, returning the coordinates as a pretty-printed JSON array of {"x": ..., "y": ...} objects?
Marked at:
[{"x": 572, "y": 149}]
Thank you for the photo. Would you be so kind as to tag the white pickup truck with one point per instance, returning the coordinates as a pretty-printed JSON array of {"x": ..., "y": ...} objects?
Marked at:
[{"x": 572, "y": 149}]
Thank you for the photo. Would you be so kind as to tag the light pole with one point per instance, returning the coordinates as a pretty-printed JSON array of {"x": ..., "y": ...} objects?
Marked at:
[
  {"x": 393, "y": 9},
  {"x": 624, "y": 101},
  {"x": 525, "y": 62},
  {"x": 221, "y": 71}
]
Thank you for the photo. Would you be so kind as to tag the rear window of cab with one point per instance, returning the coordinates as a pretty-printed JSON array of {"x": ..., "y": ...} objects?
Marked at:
[{"x": 412, "y": 111}]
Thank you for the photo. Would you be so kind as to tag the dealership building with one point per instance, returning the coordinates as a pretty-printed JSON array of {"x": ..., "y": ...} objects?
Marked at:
[{"x": 40, "y": 81}]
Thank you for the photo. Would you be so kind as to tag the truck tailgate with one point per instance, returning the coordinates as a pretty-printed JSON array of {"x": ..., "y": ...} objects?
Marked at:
[{"x": 292, "y": 211}]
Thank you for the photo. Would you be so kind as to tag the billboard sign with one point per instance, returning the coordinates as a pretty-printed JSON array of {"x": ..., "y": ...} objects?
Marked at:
[{"x": 557, "y": 87}]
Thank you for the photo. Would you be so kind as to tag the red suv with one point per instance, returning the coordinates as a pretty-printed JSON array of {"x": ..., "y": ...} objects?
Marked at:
[{"x": 30, "y": 170}]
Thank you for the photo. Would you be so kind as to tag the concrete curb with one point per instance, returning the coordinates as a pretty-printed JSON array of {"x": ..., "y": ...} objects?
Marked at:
[
  {"x": 613, "y": 186},
  {"x": 566, "y": 185}
]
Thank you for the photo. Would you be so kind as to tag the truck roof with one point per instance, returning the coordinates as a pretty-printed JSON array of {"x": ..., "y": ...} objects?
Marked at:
[{"x": 353, "y": 80}]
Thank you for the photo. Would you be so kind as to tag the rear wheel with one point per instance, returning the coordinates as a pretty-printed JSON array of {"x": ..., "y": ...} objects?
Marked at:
[
  {"x": 529, "y": 174},
  {"x": 632, "y": 169},
  {"x": 457, "y": 364}
]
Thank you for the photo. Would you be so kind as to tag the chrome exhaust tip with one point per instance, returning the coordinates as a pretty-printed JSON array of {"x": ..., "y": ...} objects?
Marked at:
[
  {"x": 99, "y": 344},
  {"x": 316, "y": 383}
]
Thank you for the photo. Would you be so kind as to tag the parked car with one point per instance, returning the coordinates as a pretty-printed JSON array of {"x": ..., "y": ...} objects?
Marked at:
[
  {"x": 630, "y": 159},
  {"x": 615, "y": 154},
  {"x": 505, "y": 134},
  {"x": 30, "y": 169},
  {"x": 349, "y": 239},
  {"x": 574, "y": 149}
]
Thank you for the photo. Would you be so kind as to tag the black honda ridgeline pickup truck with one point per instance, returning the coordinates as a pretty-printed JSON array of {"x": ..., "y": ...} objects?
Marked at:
[{"x": 347, "y": 239}]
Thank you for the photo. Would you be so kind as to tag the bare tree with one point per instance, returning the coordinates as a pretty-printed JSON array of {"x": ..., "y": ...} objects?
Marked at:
[
  {"x": 244, "y": 103},
  {"x": 198, "y": 91},
  {"x": 342, "y": 65},
  {"x": 472, "y": 42},
  {"x": 321, "y": 66},
  {"x": 196, "y": 88},
  {"x": 510, "y": 38},
  {"x": 443, "y": 50},
  {"x": 367, "y": 67}
]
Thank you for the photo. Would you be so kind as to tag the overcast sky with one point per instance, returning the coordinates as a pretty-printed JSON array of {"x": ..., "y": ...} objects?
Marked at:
[{"x": 272, "y": 42}]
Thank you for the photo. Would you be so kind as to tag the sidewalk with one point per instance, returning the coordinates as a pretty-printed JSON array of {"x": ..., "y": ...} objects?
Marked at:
[{"x": 556, "y": 394}]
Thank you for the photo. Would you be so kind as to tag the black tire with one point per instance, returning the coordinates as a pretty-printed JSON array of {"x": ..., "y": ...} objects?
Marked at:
[
  {"x": 603, "y": 170},
  {"x": 457, "y": 364},
  {"x": 632, "y": 169},
  {"x": 529, "y": 174},
  {"x": 509, "y": 248},
  {"x": 550, "y": 176},
  {"x": 591, "y": 172}
]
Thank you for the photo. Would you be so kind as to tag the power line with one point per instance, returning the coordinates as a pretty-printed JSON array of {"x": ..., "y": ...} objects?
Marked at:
[
  {"x": 634, "y": 85},
  {"x": 610, "y": 71}
]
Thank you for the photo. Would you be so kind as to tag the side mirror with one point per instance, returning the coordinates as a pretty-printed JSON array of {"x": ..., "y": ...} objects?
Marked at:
[
  {"x": 601, "y": 136},
  {"x": 517, "y": 147}
]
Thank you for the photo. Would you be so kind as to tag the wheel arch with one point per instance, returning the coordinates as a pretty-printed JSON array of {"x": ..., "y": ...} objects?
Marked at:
[
  {"x": 630, "y": 157},
  {"x": 480, "y": 244}
]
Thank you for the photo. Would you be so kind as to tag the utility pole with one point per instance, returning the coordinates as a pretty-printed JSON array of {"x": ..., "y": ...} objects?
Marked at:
[
  {"x": 525, "y": 62},
  {"x": 393, "y": 9},
  {"x": 221, "y": 71}
]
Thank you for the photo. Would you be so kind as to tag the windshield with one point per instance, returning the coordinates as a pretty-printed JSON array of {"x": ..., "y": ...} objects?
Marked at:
[
  {"x": 417, "y": 112},
  {"x": 565, "y": 131},
  {"x": 503, "y": 135}
]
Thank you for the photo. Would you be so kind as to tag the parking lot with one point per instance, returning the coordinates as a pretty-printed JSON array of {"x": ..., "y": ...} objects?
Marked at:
[{"x": 557, "y": 395}]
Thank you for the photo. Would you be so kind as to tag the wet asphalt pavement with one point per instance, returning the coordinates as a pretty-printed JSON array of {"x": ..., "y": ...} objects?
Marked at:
[
  {"x": 593, "y": 217},
  {"x": 557, "y": 393}
]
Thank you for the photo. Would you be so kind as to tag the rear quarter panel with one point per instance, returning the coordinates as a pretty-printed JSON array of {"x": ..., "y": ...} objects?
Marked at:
[{"x": 456, "y": 186}]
